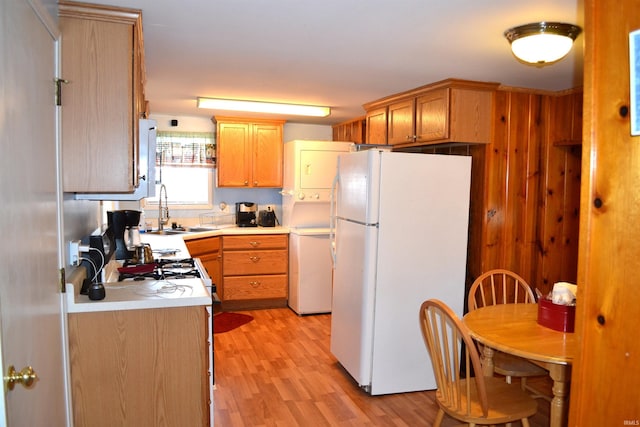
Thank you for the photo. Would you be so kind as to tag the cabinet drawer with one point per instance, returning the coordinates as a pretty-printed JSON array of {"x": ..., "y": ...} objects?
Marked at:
[
  {"x": 255, "y": 241},
  {"x": 239, "y": 263},
  {"x": 255, "y": 287},
  {"x": 206, "y": 245}
]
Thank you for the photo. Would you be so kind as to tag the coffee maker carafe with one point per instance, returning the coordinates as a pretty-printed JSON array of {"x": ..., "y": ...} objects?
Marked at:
[{"x": 126, "y": 232}]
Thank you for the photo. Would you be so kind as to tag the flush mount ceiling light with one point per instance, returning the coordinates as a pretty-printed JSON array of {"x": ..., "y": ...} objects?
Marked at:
[
  {"x": 263, "y": 107},
  {"x": 542, "y": 43}
]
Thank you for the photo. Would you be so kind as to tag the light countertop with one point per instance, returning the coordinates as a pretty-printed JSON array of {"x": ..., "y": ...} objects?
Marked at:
[
  {"x": 234, "y": 231},
  {"x": 138, "y": 295},
  {"x": 147, "y": 294},
  {"x": 141, "y": 295}
]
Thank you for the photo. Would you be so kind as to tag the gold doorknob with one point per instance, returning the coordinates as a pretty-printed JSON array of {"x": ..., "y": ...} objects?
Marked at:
[{"x": 26, "y": 377}]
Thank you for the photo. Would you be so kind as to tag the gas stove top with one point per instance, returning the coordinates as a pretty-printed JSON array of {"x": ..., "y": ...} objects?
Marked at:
[{"x": 161, "y": 269}]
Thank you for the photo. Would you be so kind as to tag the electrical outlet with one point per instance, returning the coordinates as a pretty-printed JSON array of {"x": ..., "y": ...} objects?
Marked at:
[{"x": 74, "y": 252}]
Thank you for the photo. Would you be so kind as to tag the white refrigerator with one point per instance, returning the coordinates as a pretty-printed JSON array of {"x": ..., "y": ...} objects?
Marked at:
[{"x": 400, "y": 224}]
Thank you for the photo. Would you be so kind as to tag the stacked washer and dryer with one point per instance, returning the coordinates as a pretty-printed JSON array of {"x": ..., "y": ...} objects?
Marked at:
[{"x": 309, "y": 170}]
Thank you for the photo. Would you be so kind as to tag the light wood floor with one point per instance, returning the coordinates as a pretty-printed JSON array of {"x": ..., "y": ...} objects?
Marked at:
[{"x": 278, "y": 371}]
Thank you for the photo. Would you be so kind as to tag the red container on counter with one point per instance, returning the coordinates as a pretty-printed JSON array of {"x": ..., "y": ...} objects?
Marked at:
[{"x": 555, "y": 316}]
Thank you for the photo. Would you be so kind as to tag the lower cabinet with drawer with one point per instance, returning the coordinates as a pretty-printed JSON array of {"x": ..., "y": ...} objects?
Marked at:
[{"x": 255, "y": 271}]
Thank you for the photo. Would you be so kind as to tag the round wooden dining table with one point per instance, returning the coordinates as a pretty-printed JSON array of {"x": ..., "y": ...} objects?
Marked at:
[{"x": 514, "y": 329}]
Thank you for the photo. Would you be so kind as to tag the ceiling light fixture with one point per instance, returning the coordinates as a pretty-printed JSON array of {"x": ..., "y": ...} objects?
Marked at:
[
  {"x": 263, "y": 107},
  {"x": 542, "y": 43}
]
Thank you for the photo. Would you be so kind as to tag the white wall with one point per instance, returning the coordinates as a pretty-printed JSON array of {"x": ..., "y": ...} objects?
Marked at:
[
  {"x": 309, "y": 132},
  {"x": 185, "y": 123}
]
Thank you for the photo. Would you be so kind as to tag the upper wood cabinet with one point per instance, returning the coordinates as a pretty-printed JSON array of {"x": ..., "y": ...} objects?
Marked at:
[
  {"x": 401, "y": 122},
  {"x": 443, "y": 112},
  {"x": 376, "y": 126},
  {"x": 250, "y": 152},
  {"x": 351, "y": 130},
  {"x": 103, "y": 65}
]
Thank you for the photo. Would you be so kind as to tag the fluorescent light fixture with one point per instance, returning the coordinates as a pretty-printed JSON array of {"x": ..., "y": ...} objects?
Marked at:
[
  {"x": 263, "y": 107},
  {"x": 542, "y": 43}
]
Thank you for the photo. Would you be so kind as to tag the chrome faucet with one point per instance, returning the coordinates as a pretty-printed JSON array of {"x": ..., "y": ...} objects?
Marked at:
[{"x": 163, "y": 211}]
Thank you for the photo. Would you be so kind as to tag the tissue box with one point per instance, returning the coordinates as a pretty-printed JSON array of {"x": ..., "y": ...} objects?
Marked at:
[{"x": 555, "y": 316}]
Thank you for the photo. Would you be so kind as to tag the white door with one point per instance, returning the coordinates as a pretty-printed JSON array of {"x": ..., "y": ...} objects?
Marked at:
[{"x": 30, "y": 306}]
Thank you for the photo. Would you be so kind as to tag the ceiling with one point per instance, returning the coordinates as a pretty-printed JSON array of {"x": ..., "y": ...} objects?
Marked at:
[{"x": 337, "y": 53}]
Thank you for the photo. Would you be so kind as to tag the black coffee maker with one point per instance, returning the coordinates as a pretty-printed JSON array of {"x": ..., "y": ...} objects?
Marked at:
[
  {"x": 246, "y": 214},
  {"x": 126, "y": 231}
]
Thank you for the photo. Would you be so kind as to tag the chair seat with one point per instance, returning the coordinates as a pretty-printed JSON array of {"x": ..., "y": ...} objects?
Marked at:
[
  {"x": 514, "y": 366},
  {"x": 507, "y": 403}
]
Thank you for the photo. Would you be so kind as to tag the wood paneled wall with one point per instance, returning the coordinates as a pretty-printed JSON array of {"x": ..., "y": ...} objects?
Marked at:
[
  {"x": 525, "y": 188},
  {"x": 606, "y": 373},
  {"x": 559, "y": 214}
]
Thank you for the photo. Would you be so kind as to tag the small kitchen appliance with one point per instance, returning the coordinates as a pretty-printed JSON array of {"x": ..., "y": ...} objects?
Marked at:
[
  {"x": 246, "y": 214},
  {"x": 267, "y": 218},
  {"x": 126, "y": 231}
]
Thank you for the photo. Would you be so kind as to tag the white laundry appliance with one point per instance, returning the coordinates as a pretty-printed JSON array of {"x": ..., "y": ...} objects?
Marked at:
[
  {"x": 309, "y": 169},
  {"x": 401, "y": 222}
]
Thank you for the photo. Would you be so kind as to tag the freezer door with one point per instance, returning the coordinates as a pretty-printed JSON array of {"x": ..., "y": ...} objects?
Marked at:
[
  {"x": 353, "y": 299},
  {"x": 358, "y": 180}
]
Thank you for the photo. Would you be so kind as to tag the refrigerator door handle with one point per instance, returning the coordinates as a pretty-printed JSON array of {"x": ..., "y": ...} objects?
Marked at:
[{"x": 333, "y": 215}]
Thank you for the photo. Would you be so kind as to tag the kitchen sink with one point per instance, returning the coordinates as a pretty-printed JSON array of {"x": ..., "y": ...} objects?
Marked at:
[
  {"x": 194, "y": 229},
  {"x": 201, "y": 229},
  {"x": 168, "y": 231}
]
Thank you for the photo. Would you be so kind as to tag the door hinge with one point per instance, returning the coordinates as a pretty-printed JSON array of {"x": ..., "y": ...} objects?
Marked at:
[
  {"x": 62, "y": 276},
  {"x": 58, "y": 83}
]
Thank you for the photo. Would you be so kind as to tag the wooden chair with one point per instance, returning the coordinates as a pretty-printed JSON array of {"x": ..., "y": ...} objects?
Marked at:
[
  {"x": 501, "y": 286},
  {"x": 473, "y": 400}
]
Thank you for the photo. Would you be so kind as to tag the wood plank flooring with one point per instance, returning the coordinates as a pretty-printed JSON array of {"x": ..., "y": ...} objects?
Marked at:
[{"x": 278, "y": 371}]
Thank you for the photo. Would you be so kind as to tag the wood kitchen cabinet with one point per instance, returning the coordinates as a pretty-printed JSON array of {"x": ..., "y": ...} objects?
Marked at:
[
  {"x": 208, "y": 250},
  {"x": 376, "y": 126},
  {"x": 444, "y": 112},
  {"x": 255, "y": 271},
  {"x": 249, "y": 152},
  {"x": 140, "y": 367},
  {"x": 102, "y": 58},
  {"x": 351, "y": 130}
]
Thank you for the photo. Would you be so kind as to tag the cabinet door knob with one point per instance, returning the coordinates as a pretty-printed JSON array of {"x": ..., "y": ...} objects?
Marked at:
[
  {"x": 254, "y": 258},
  {"x": 246, "y": 183},
  {"x": 255, "y": 183}
]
